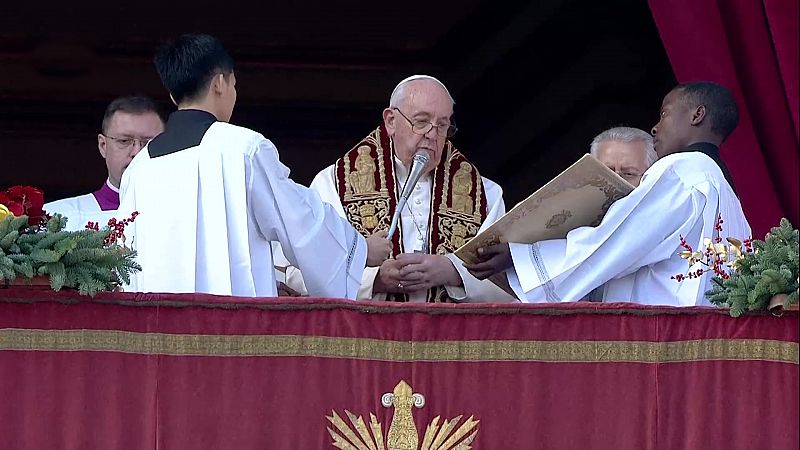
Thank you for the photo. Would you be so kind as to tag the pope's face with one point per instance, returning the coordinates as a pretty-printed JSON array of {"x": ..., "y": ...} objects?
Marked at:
[
  {"x": 126, "y": 134},
  {"x": 423, "y": 101}
]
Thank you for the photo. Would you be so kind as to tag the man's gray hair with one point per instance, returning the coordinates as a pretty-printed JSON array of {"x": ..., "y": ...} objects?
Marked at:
[
  {"x": 626, "y": 134},
  {"x": 399, "y": 91}
]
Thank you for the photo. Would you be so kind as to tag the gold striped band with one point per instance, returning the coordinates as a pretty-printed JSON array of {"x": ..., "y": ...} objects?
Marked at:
[{"x": 399, "y": 351}]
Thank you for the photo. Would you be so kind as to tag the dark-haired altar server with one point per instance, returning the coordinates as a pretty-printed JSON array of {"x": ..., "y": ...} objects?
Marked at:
[{"x": 211, "y": 196}]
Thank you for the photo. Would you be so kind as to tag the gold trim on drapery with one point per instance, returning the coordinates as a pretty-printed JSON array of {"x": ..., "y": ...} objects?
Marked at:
[{"x": 399, "y": 351}]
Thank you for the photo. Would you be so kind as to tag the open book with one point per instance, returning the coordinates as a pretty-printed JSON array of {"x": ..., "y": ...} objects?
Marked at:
[{"x": 578, "y": 196}]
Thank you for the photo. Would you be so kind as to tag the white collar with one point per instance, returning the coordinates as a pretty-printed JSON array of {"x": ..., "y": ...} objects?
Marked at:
[
  {"x": 111, "y": 186},
  {"x": 401, "y": 173}
]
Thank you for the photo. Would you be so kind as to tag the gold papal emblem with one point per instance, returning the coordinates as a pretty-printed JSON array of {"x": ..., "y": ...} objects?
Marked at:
[
  {"x": 368, "y": 219},
  {"x": 402, "y": 434}
]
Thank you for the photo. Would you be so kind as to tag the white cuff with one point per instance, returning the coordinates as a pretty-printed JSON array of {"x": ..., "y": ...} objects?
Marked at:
[
  {"x": 367, "y": 283},
  {"x": 523, "y": 264}
]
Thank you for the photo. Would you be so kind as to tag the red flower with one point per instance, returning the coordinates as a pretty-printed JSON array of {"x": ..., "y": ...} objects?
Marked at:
[{"x": 24, "y": 200}]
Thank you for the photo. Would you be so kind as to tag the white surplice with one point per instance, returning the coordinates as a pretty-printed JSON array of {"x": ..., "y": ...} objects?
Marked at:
[
  {"x": 207, "y": 215},
  {"x": 414, "y": 224},
  {"x": 80, "y": 210},
  {"x": 635, "y": 249}
]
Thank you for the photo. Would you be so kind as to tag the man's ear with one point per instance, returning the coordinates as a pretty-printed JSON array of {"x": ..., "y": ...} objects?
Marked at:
[
  {"x": 698, "y": 115},
  {"x": 102, "y": 145},
  {"x": 217, "y": 86},
  {"x": 389, "y": 121}
]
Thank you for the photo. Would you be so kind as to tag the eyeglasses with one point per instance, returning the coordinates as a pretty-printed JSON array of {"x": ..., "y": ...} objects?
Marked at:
[
  {"x": 423, "y": 126},
  {"x": 125, "y": 143}
]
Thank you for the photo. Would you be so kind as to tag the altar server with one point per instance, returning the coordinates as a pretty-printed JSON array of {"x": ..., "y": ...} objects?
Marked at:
[
  {"x": 211, "y": 196},
  {"x": 635, "y": 249}
]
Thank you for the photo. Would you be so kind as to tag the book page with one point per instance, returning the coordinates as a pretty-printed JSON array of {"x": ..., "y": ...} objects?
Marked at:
[{"x": 578, "y": 196}]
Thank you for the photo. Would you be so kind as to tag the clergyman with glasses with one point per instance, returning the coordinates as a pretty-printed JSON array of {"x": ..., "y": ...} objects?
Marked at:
[
  {"x": 448, "y": 206},
  {"x": 129, "y": 123}
]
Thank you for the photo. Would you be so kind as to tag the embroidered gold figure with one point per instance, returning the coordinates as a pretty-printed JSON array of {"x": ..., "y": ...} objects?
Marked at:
[
  {"x": 462, "y": 188},
  {"x": 454, "y": 231},
  {"x": 368, "y": 219},
  {"x": 459, "y": 236},
  {"x": 362, "y": 179},
  {"x": 368, "y": 215},
  {"x": 402, "y": 433}
]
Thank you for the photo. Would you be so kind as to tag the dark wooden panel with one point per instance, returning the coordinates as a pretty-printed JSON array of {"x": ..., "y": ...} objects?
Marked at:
[{"x": 533, "y": 81}]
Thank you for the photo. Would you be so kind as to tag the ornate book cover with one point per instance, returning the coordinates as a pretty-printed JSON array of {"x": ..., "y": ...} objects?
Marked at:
[{"x": 578, "y": 196}]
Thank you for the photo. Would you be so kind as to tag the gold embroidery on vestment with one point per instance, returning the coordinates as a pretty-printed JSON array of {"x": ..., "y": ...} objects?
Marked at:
[
  {"x": 362, "y": 179},
  {"x": 462, "y": 188}
]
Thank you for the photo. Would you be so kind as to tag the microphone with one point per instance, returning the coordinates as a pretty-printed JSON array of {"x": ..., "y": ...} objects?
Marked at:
[{"x": 417, "y": 164}]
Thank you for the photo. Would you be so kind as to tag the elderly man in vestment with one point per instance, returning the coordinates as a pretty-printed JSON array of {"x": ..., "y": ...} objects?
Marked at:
[
  {"x": 211, "y": 196},
  {"x": 627, "y": 151},
  {"x": 636, "y": 248},
  {"x": 447, "y": 207},
  {"x": 129, "y": 123}
]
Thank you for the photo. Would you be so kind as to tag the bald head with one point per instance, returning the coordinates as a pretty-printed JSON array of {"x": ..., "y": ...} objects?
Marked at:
[
  {"x": 401, "y": 90},
  {"x": 418, "y": 118}
]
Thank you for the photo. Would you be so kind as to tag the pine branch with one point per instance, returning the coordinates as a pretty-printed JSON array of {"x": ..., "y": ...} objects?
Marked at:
[{"x": 771, "y": 269}]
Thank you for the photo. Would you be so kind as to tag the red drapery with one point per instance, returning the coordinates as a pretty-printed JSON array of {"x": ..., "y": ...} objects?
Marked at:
[
  {"x": 750, "y": 46},
  {"x": 193, "y": 372}
]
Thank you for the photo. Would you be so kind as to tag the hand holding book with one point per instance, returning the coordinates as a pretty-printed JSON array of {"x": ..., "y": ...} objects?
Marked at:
[{"x": 578, "y": 196}]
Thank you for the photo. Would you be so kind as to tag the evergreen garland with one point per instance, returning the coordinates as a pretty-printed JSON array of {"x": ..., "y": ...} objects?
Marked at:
[
  {"x": 771, "y": 269},
  {"x": 87, "y": 260}
]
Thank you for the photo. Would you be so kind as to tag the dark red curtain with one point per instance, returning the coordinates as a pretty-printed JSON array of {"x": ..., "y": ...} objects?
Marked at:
[
  {"x": 146, "y": 372},
  {"x": 750, "y": 46}
]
